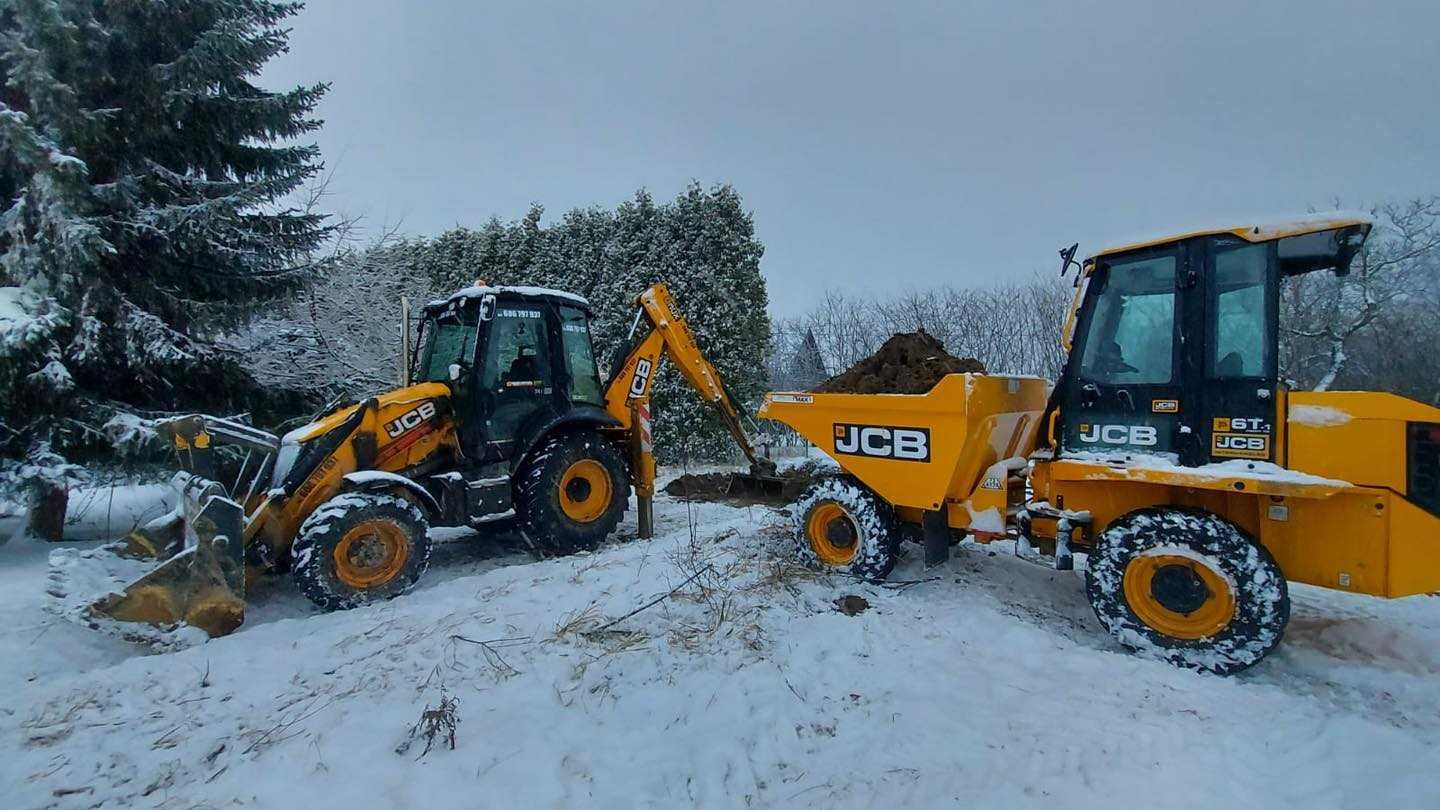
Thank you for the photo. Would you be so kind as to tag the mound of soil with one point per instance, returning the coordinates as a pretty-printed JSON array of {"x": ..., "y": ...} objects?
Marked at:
[
  {"x": 907, "y": 363},
  {"x": 721, "y": 486}
]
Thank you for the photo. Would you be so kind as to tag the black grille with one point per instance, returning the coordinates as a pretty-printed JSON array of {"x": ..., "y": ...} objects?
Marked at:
[{"x": 1423, "y": 464}]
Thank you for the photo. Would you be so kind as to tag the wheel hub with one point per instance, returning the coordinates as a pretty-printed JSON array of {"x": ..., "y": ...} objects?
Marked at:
[
  {"x": 840, "y": 532},
  {"x": 578, "y": 489},
  {"x": 832, "y": 534},
  {"x": 585, "y": 491},
  {"x": 1179, "y": 589},
  {"x": 371, "y": 554},
  {"x": 1178, "y": 596}
]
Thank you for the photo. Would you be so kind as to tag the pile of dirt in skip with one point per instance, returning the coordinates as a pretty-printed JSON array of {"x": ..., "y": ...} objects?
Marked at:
[{"x": 908, "y": 363}]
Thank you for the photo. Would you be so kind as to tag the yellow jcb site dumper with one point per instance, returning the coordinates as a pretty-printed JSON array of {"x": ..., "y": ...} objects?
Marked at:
[
  {"x": 503, "y": 415},
  {"x": 1169, "y": 451}
]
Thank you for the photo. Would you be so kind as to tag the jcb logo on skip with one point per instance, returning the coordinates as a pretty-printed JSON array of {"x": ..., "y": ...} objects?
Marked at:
[{"x": 881, "y": 441}]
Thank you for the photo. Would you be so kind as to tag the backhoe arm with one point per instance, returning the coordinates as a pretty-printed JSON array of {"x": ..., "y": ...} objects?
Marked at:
[{"x": 658, "y": 331}]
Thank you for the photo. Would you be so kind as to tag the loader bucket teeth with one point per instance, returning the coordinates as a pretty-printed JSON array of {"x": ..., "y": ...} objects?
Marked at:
[{"x": 203, "y": 585}]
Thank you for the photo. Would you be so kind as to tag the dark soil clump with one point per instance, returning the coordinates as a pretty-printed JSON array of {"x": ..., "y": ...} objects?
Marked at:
[
  {"x": 907, "y": 363},
  {"x": 732, "y": 488}
]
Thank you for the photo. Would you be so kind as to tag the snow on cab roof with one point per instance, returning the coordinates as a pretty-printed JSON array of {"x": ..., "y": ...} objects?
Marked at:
[
  {"x": 1257, "y": 230},
  {"x": 479, "y": 290}
]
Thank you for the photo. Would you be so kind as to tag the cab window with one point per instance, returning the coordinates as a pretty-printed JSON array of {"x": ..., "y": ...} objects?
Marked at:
[
  {"x": 518, "y": 353},
  {"x": 1241, "y": 347},
  {"x": 1131, "y": 338},
  {"x": 579, "y": 356},
  {"x": 450, "y": 340}
]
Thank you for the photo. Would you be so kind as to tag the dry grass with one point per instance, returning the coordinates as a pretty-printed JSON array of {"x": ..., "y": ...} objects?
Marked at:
[{"x": 437, "y": 724}]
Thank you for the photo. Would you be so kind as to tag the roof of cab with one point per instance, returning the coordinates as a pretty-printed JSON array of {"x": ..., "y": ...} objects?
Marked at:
[
  {"x": 523, "y": 291},
  {"x": 1257, "y": 231}
]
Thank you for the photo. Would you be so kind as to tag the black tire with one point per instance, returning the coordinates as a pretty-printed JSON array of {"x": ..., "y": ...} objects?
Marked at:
[
  {"x": 861, "y": 540},
  {"x": 317, "y": 569},
  {"x": 1185, "y": 561},
  {"x": 543, "y": 492}
]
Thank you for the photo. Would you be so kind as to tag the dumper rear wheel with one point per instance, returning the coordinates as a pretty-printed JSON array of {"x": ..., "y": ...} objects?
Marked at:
[
  {"x": 841, "y": 526},
  {"x": 1186, "y": 586},
  {"x": 358, "y": 548}
]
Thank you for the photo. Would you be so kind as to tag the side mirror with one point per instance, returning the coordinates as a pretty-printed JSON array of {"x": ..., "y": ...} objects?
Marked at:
[{"x": 487, "y": 307}]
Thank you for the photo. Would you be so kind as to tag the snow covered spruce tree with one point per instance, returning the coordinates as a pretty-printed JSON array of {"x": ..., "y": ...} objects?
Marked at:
[{"x": 143, "y": 177}]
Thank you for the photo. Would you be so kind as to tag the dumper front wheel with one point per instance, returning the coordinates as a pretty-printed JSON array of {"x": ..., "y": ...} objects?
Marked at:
[
  {"x": 1188, "y": 587},
  {"x": 841, "y": 526},
  {"x": 358, "y": 548}
]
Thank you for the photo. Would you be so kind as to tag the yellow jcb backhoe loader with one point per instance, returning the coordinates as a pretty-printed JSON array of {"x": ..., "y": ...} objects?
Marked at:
[
  {"x": 1170, "y": 450},
  {"x": 503, "y": 415}
]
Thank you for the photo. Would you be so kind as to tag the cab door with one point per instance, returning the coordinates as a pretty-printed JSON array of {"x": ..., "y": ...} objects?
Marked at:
[
  {"x": 1238, "y": 378},
  {"x": 1126, "y": 393},
  {"x": 516, "y": 384}
]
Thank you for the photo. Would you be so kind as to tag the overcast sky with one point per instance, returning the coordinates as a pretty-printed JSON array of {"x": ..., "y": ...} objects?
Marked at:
[{"x": 904, "y": 144}]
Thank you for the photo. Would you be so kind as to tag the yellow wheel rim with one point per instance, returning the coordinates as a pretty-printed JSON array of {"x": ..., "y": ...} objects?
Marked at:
[
  {"x": 1179, "y": 596},
  {"x": 372, "y": 553},
  {"x": 832, "y": 534},
  {"x": 585, "y": 491}
]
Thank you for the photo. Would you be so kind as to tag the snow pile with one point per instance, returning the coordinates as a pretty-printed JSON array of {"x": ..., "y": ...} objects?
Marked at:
[
  {"x": 478, "y": 290},
  {"x": 1317, "y": 416},
  {"x": 702, "y": 669}
]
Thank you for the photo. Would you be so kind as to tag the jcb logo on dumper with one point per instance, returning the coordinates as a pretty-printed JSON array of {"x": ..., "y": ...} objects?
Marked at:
[
  {"x": 410, "y": 419},
  {"x": 643, "y": 368},
  {"x": 1138, "y": 435},
  {"x": 880, "y": 441}
]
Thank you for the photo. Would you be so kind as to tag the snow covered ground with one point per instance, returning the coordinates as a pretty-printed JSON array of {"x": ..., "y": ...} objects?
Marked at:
[{"x": 986, "y": 682}]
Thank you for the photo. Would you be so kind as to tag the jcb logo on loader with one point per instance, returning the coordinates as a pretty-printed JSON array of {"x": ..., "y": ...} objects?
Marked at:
[
  {"x": 1138, "y": 435},
  {"x": 410, "y": 419},
  {"x": 880, "y": 441},
  {"x": 643, "y": 368}
]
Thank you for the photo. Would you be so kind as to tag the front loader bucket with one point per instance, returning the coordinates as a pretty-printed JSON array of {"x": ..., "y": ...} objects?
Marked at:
[{"x": 203, "y": 582}]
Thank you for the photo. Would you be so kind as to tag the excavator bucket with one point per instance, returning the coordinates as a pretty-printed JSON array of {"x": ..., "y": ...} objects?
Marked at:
[
  {"x": 202, "y": 583},
  {"x": 762, "y": 481}
]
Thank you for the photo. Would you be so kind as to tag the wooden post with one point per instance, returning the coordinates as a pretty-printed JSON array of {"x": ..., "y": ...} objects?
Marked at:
[{"x": 47, "y": 511}]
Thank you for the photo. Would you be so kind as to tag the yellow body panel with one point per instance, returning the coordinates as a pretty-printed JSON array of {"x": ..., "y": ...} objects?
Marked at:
[
  {"x": 409, "y": 426},
  {"x": 1350, "y": 529},
  {"x": 973, "y": 423}
]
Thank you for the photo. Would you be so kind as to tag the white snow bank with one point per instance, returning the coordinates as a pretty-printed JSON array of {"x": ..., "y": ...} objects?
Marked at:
[{"x": 745, "y": 688}]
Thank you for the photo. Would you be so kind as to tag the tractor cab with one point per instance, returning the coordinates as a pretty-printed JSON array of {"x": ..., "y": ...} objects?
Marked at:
[
  {"x": 1174, "y": 344},
  {"x": 519, "y": 361}
]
